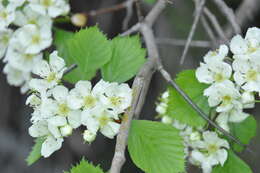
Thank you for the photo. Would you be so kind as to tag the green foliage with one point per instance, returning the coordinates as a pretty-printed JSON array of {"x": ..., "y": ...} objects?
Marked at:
[
  {"x": 179, "y": 109},
  {"x": 155, "y": 147},
  {"x": 244, "y": 131},
  {"x": 127, "y": 58},
  {"x": 35, "y": 154},
  {"x": 233, "y": 165},
  {"x": 90, "y": 50},
  {"x": 150, "y": 1},
  {"x": 85, "y": 167},
  {"x": 60, "y": 37}
]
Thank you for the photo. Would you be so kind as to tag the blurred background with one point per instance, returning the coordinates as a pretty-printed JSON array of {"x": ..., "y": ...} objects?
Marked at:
[{"x": 176, "y": 21}]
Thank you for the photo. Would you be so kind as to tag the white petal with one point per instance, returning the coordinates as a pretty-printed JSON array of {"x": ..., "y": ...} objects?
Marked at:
[
  {"x": 74, "y": 118},
  {"x": 222, "y": 156},
  {"x": 110, "y": 130},
  {"x": 88, "y": 120},
  {"x": 57, "y": 121},
  {"x": 222, "y": 121},
  {"x": 54, "y": 130},
  {"x": 42, "y": 69},
  {"x": 51, "y": 145},
  {"x": 238, "y": 45},
  {"x": 56, "y": 62},
  {"x": 38, "y": 129},
  {"x": 83, "y": 87},
  {"x": 60, "y": 93}
]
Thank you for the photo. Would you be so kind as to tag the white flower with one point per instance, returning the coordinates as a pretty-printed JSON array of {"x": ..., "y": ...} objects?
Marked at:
[
  {"x": 161, "y": 108},
  {"x": 100, "y": 119},
  {"x": 33, "y": 100},
  {"x": 212, "y": 151},
  {"x": 214, "y": 71},
  {"x": 118, "y": 97},
  {"x": 5, "y": 35},
  {"x": 33, "y": 38},
  {"x": 88, "y": 136},
  {"x": 53, "y": 8},
  {"x": 16, "y": 77},
  {"x": 247, "y": 75},
  {"x": 16, "y": 3},
  {"x": 51, "y": 73},
  {"x": 246, "y": 48},
  {"x": 29, "y": 16},
  {"x": 20, "y": 60},
  {"x": 51, "y": 145},
  {"x": 217, "y": 55},
  {"x": 223, "y": 95},
  {"x": 235, "y": 115},
  {"x": 60, "y": 94},
  {"x": 83, "y": 96},
  {"x": 7, "y": 15}
]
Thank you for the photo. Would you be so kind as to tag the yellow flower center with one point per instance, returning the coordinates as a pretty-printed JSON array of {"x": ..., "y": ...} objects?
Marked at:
[
  {"x": 28, "y": 56},
  {"x": 5, "y": 39},
  {"x": 219, "y": 77},
  {"x": 251, "y": 75},
  {"x": 212, "y": 148},
  {"x": 103, "y": 120},
  {"x": 3, "y": 15},
  {"x": 63, "y": 109},
  {"x": 51, "y": 77},
  {"x": 115, "y": 100},
  {"x": 226, "y": 100},
  {"x": 46, "y": 3},
  {"x": 36, "y": 39},
  {"x": 89, "y": 101}
]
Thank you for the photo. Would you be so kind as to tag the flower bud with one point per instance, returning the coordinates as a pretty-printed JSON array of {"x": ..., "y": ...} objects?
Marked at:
[
  {"x": 79, "y": 19},
  {"x": 195, "y": 136},
  {"x": 66, "y": 130},
  {"x": 161, "y": 108},
  {"x": 88, "y": 136},
  {"x": 166, "y": 120}
]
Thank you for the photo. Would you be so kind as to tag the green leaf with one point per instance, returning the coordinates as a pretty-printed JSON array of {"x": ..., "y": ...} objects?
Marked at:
[
  {"x": 85, "y": 167},
  {"x": 150, "y": 1},
  {"x": 127, "y": 58},
  {"x": 35, "y": 154},
  {"x": 60, "y": 37},
  {"x": 233, "y": 165},
  {"x": 244, "y": 131},
  {"x": 90, "y": 50},
  {"x": 179, "y": 109},
  {"x": 155, "y": 147}
]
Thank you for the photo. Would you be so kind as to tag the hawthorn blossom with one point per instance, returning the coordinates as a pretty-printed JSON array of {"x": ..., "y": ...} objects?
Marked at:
[
  {"x": 247, "y": 75},
  {"x": 29, "y": 16},
  {"x": 223, "y": 95},
  {"x": 213, "y": 72},
  {"x": 210, "y": 152},
  {"x": 51, "y": 73},
  {"x": 52, "y": 8},
  {"x": 245, "y": 49},
  {"x": 33, "y": 38},
  {"x": 100, "y": 119},
  {"x": 7, "y": 15},
  {"x": 217, "y": 55}
]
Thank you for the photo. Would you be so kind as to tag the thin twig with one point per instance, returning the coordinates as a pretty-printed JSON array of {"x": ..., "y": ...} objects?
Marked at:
[
  {"x": 228, "y": 12},
  {"x": 178, "y": 42},
  {"x": 192, "y": 31},
  {"x": 209, "y": 31},
  {"x": 216, "y": 25},
  {"x": 245, "y": 13},
  {"x": 139, "y": 11},
  {"x": 129, "y": 13},
  {"x": 69, "y": 69}
]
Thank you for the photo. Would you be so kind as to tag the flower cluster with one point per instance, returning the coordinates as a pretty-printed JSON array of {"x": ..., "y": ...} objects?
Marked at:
[
  {"x": 234, "y": 80},
  {"x": 58, "y": 110},
  {"x": 201, "y": 148},
  {"x": 234, "y": 83},
  {"x": 25, "y": 31}
]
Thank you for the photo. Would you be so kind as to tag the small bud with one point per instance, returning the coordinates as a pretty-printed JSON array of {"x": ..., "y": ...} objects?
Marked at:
[
  {"x": 66, "y": 130},
  {"x": 165, "y": 95},
  {"x": 166, "y": 120},
  {"x": 161, "y": 108},
  {"x": 195, "y": 136},
  {"x": 88, "y": 136},
  {"x": 79, "y": 19}
]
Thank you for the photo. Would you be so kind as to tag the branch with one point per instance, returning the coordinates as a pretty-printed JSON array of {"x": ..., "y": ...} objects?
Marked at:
[
  {"x": 178, "y": 42},
  {"x": 129, "y": 13},
  {"x": 209, "y": 31},
  {"x": 140, "y": 87},
  {"x": 245, "y": 12},
  {"x": 193, "y": 28},
  {"x": 228, "y": 12}
]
